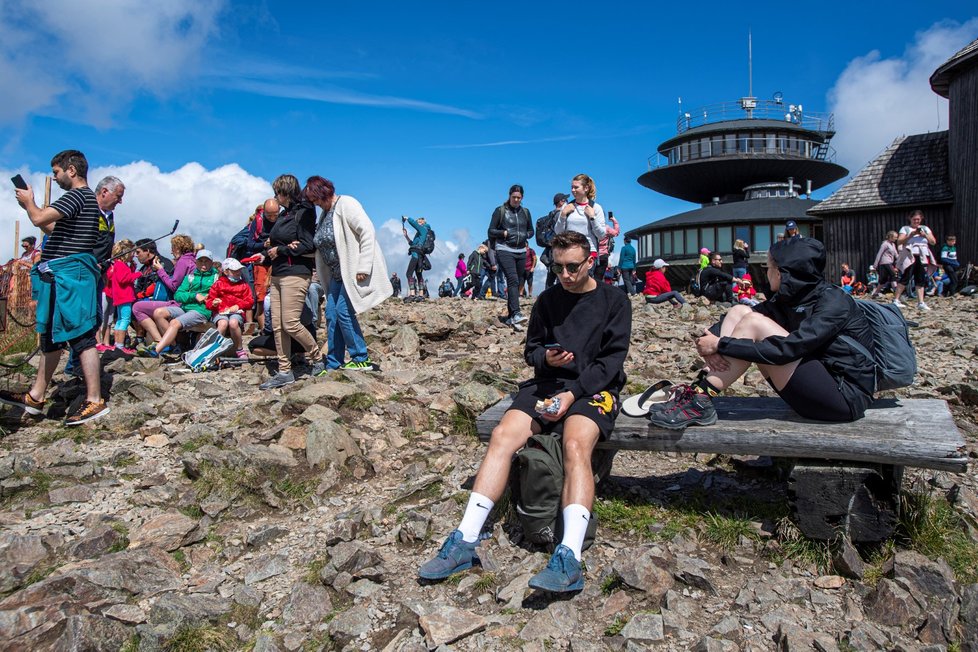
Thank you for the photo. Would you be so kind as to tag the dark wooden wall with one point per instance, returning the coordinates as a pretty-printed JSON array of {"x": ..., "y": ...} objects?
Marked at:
[
  {"x": 855, "y": 238},
  {"x": 963, "y": 162}
]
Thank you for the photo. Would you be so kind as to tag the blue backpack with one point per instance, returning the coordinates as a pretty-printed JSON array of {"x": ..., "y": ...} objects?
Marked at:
[{"x": 893, "y": 354}]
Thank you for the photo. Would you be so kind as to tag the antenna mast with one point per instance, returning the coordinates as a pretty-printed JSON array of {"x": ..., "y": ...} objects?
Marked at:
[{"x": 750, "y": 102}]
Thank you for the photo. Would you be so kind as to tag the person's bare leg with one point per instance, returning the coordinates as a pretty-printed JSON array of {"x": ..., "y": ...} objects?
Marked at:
[
  {"x": 169, "y": 336},
  {"x": 580, "y": 436},
  {"x": 733, "y": 318},
  {"x": 235, "y": 329},
  {"x": 161, "y": 318},
  {"x": 91, "y": 370},
  {"x": 899, "y": 291},
  {"x": 152, "y": 331},
  {"x": 45, "y": 372},
  {"x": 508, "y": 437},
  {"x": 751, "y": 326}
]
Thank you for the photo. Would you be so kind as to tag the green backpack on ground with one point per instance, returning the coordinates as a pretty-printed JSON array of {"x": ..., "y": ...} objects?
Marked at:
[{"x": 536, "y": 484}]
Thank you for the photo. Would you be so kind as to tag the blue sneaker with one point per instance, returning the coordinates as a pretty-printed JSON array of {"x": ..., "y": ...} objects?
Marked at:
[
  {"x": 454, "y": 555},
  {"x": 562, "y": 574}
]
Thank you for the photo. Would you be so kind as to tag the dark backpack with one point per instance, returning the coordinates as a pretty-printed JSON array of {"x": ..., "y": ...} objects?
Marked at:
[
  {"x": 893, "y": 354},
  {"x": 545, "y": 228},
  {"x": 237, "y": 248},
  {"x": 428, "y": 246},
  {"x": 694, "y": 285},
  {"x": 611, "y": 244},
  {"x": 536, "y": 483}
]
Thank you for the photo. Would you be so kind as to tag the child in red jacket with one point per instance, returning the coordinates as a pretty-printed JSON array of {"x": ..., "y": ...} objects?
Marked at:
[
  {"x": 746, "y": 292},
  {"x": 229, "y": 297},
  {"x": 121, "y": 289}
]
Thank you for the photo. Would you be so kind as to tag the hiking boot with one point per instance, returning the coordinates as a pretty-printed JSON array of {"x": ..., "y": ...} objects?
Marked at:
[
  {"x": 24, "y": 401},
  {"x": 454, "y": 555},
  {"x": 562, "y": 574},
  {"x": 923, "y": 306},
  {"x": 281, "y": 379},
  {"x": 365, "y": 365},
  {"x": 688, "y": 408},
  {"x": 516, "y": 319},
  {"x": 319, "y": 369},
  {"x": 673, "y": 395},
  {"x": 88, "y": 411}
]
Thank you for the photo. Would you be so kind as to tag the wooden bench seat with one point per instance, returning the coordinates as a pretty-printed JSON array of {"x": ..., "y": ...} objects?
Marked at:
[{"x": 854, "y": 468}]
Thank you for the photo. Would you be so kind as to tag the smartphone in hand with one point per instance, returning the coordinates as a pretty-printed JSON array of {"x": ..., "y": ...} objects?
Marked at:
[
  {"x": 19, "y": 182},
  {"x": 554, "y": 347}
]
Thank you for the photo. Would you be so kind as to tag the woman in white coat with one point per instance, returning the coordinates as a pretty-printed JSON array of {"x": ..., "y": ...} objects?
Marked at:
[{"x": 352, "y": 270}]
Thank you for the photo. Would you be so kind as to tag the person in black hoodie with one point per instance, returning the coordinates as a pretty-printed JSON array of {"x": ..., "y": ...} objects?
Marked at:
[
  {"x": 290, "y": 252},
  {"x": 800, "y": 340},
  {"x": 512, "y": 227}
]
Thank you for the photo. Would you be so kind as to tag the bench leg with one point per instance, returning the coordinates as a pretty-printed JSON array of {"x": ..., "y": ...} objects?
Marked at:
[{"x": 830, "y": 500}]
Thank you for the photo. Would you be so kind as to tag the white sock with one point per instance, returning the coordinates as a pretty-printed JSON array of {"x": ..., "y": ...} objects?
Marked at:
[
  {"x": 576, "y": 519},
  {"x": 476, "y": 513}
]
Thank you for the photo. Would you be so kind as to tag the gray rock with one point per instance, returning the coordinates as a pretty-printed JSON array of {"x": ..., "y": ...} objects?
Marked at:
[
  {"x": 266, "y": 643},
  {"x": 193, "y": 609},
  {"x": 95, "y": 543},
  {"x": 969, "y": 613},
  {"x": 405, "y": 342},
  {"x": 476, "y": 397},
  {"x": 554, "y": 622},
  {"x": 321, "y": 391},
  {"x": 263, "y": 534},
  {"x": 126, "y": 613},
  {"x": 267, "y": 566},
  {"x": 449, "y": 624},
  {"x": 848, "y": 563},
  {"x": 890, "y": 605},
  {"x": 76, "y": 494},
  {"x": 349, "y": 625},
  {"x": 329, "y": 442},
  {"x": 728, "y": 628},
  {"x": 644, "y": 569},
  {"x": 921, "y": 576},
  {"x": 341, "y": 529},
  {"x": 709, "y": 644},
  {"x": 644, "y": 627},
  {"x": 166, "y": 531},
  {"x": 272, "y": 456},
  {"x": 20, "y": 555},
  {"x": 512, "y": 594},
  {"x": 692, "y": 572},
  {"x": 307, "y": 604}
]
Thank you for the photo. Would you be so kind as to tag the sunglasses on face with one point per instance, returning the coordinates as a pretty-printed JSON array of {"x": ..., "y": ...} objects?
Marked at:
[{"x": 572, "y": 268}]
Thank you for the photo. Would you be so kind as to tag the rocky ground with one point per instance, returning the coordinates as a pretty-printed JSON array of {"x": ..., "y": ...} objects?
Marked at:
[{"x": 205, "y": 514}]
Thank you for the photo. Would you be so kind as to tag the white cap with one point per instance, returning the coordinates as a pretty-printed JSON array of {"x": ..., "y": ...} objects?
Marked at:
[
  {"x": 659, "y": 263},
  {"x": 205, "y": 253},
  {"x": 231, "y": 263}
]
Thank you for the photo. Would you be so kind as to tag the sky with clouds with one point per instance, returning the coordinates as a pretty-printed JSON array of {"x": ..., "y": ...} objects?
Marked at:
[{"x": 432, "y": 109}]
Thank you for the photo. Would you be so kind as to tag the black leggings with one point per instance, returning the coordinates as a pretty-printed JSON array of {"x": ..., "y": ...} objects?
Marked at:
[
  {"x": 814, "y": 393},
  {"x": 414, "y": 267}
]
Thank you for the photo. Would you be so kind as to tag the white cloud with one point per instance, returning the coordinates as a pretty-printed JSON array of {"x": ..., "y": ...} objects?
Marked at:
[
  {"x": 876, "y": 99},
  {"x": 99, "y": 55}
]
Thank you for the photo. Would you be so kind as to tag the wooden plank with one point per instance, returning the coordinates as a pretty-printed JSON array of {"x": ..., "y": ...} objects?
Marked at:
[{"x": 903, "y": 432}]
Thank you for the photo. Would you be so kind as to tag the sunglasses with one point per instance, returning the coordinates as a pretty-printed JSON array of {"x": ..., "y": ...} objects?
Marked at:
[{"x": 572, "y": 268}]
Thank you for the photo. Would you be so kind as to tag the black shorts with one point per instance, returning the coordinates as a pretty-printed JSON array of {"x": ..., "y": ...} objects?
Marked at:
[
  {"x": 814, "y": 393},
  {"x": 602, "y": 408},
  {"x": 916, "y": 272}
]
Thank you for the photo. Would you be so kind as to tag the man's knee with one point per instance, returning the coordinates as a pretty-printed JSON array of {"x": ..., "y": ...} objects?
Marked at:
[{"x": 580, "y": 436}]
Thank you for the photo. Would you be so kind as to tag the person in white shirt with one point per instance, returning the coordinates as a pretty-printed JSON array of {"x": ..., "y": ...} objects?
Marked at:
[
  {"x": 915, "y": 257},
  {"x": 583, "y": 215}
]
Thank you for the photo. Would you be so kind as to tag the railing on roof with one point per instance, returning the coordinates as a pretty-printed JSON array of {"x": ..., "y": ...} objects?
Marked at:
[
  {"x": 735, "y": 146},
  {"x": 749, "y": 108}
]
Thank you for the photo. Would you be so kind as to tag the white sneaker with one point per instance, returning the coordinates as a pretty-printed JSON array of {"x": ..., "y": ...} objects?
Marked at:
[
  {"x": 898, "y": 303},
  {"x": 923, "y": 306}
]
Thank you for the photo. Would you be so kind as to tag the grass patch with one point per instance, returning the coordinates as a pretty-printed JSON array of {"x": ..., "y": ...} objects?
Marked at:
[
  {"x": 123, "y": 541},
  {"x": 796, "y": 547},
  {"x": 55, "y": 434},
  {"x": 314, "y": 568},
  {"x": 611, "y": 583},
  {"x": 358, "y": 401},
  {"x": 124, "y": 461},
  {"x": 181, "y": 558},
  {"x": 202, "y": 638},
  {"x": 295, "y": 489},
  {"x": 322, "y": 642},
  {"x": 726, "y": 531},
  {"x": 131, "y": 645},
  {"x": 874, "y": 567},
  {"x": 455, "y": 578},
  {"x": 192, "y": 511},
  {"x": 933, "y": 528},
  {"x": 196, "y": 443},
  {"x": 486, "y": 582},
  {"x": 463, "y": 422},
  {"x": 618, "y": 624},
  {"x": 643, "y": 518},
  {"x": 39, "y": 574}
]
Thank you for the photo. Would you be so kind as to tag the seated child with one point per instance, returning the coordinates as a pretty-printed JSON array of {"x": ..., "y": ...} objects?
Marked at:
[
  {"x": 938, "y": 282},
  {"x": 847, "y": 279},
  {"x": 746, "y": 293},
  {"x": 191, "y": 296},
  {"x": 872, "y": 280},
  {"x": 229, "y": 298}
]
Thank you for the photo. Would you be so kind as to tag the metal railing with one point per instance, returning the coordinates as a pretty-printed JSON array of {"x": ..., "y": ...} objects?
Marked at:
[
  {"x": 754, "y": 109},
  {"x": 739, "y": 147}
]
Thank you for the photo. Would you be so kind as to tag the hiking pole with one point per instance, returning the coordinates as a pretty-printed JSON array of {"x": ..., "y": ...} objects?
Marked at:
[{"x": 126, "y": 253}]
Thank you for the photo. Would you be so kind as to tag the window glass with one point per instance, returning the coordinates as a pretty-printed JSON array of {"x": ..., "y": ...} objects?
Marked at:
[
  {"x": 742, "y": 232},
  {"x": 707, "y": 238},
  {"x": 666, "y": 243},
  {"x": 730, "y": 143},
  {"x": 684, "y": 148},
  {"x": 716, "y": 146},
  {"x": 724, "y": 239},
  {"x": 654, "y": 245},
  {"x": 804, "y": 229},
  {"x": 677, "y": 241},
  {"x": 762, "y": 238},
  {"x": 691, "y": 239}
]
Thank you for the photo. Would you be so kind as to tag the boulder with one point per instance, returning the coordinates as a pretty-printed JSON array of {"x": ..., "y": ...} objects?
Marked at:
[
  {"x": 446, "y": 625},
  {"x": 166, "y": 531},
  {"x": 329, "y": 442}
]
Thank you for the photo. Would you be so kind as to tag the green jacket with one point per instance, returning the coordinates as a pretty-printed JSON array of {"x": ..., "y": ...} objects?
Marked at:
[{"x": 193, "y": 284}]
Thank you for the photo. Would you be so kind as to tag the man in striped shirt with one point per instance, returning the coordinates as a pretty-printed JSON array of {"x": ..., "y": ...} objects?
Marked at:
[{"x": 72, "y": 224}]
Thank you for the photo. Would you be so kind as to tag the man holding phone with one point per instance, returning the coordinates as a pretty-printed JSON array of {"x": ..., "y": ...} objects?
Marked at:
[
  {"x": 576, "y": 342},
  {"x": 64, "y": 284}
]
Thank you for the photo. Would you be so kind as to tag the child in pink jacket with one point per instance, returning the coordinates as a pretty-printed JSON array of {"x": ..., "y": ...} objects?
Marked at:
[{"x": 120, "y": 287}]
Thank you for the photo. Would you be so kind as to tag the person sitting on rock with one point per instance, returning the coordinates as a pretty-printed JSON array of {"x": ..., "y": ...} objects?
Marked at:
[
  {"x": 657, "y": 288},
  {"x": 192, "y": 311},
  {"x": 576, "y": 342},
  {"x": 229, "y": 297},
  {"x": 801, "y": 339}
]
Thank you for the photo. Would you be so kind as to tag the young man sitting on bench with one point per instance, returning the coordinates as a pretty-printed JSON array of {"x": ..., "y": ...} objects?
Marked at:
[
  {"x": 794, "y": 338},
  {"x": 576, "y": 342}
]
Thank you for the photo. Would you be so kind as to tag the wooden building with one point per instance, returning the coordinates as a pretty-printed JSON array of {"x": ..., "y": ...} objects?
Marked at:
[{"x": 936, "y": 173}]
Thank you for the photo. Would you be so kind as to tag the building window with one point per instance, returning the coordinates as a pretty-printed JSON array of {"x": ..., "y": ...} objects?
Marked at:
[
  {"x": 691, "y": 246},
  {"x": 742, "y": 233},
  {"x": 724, "y": 239},
  {"x": 805, "y": 230},
  {"x": 707, "y": 238},
  {"x": 666, "y": 243},
  {"x": 677, "y": 241},
  {"x": 654, "y": 248},
  {"x": 762, "y": 238}
]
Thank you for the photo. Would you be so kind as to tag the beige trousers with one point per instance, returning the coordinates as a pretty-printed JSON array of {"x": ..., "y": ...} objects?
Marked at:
[{"x": 288, "y": 296}]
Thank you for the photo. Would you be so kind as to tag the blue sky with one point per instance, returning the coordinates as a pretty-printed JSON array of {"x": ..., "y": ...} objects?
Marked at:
[{"x": 432, "y": 109}]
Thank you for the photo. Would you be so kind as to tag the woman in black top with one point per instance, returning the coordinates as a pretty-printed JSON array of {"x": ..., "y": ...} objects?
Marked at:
[
  {"x": 741, "y": 256},
  {"x": 290, "y": 252}
]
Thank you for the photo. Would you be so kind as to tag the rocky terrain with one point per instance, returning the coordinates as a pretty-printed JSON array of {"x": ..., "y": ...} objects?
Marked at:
[{"x": 203, "y": 514}]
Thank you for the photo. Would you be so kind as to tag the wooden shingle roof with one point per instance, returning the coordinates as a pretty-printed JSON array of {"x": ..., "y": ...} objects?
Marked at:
[
  {"x": 912, "y": 171},
  {"x": 960, "y": 60}
]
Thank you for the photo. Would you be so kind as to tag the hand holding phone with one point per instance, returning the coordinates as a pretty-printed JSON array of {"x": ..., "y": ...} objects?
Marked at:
[
  {"x": 19, "y": 182},
  {"x": 554, "y": 347}
]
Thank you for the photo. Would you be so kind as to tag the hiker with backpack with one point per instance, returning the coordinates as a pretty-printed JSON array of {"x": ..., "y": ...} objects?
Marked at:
[
  {"x": 511, "y": 227},
  {"x": 810, "y": 340},
  {"x": 422, "y": 244},
  {"x": 478, "y": 267},
  {"x": 545, "y": 235},
  {"x": 249, "y": 242},
  {"x": 461, "y": 271},
  {"x": 606, "y": 246},
  {"x": 626, "y": 263},
  {"x": 576, "y": 342},
  {"x": 584, "y": 214}
]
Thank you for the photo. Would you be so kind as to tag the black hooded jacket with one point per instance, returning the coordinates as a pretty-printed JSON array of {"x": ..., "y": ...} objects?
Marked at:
[{"x": 815, "y": 313}]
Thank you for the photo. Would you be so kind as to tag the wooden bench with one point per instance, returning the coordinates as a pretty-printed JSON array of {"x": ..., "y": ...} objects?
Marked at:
[{"x": 843, "y": 476}]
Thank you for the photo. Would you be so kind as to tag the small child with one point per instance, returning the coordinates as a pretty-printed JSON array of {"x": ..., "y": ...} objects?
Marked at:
[
  {"x": 872, "y": 280},
  {"x": 746, "y": 292},
  {"x": 847, "y": 279},
  {"x": 938, "y": 282},
  {"x": 229, "y": 297},
  {"x": 704, "y": 258},
  {"x": 121, "y": 290}
]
